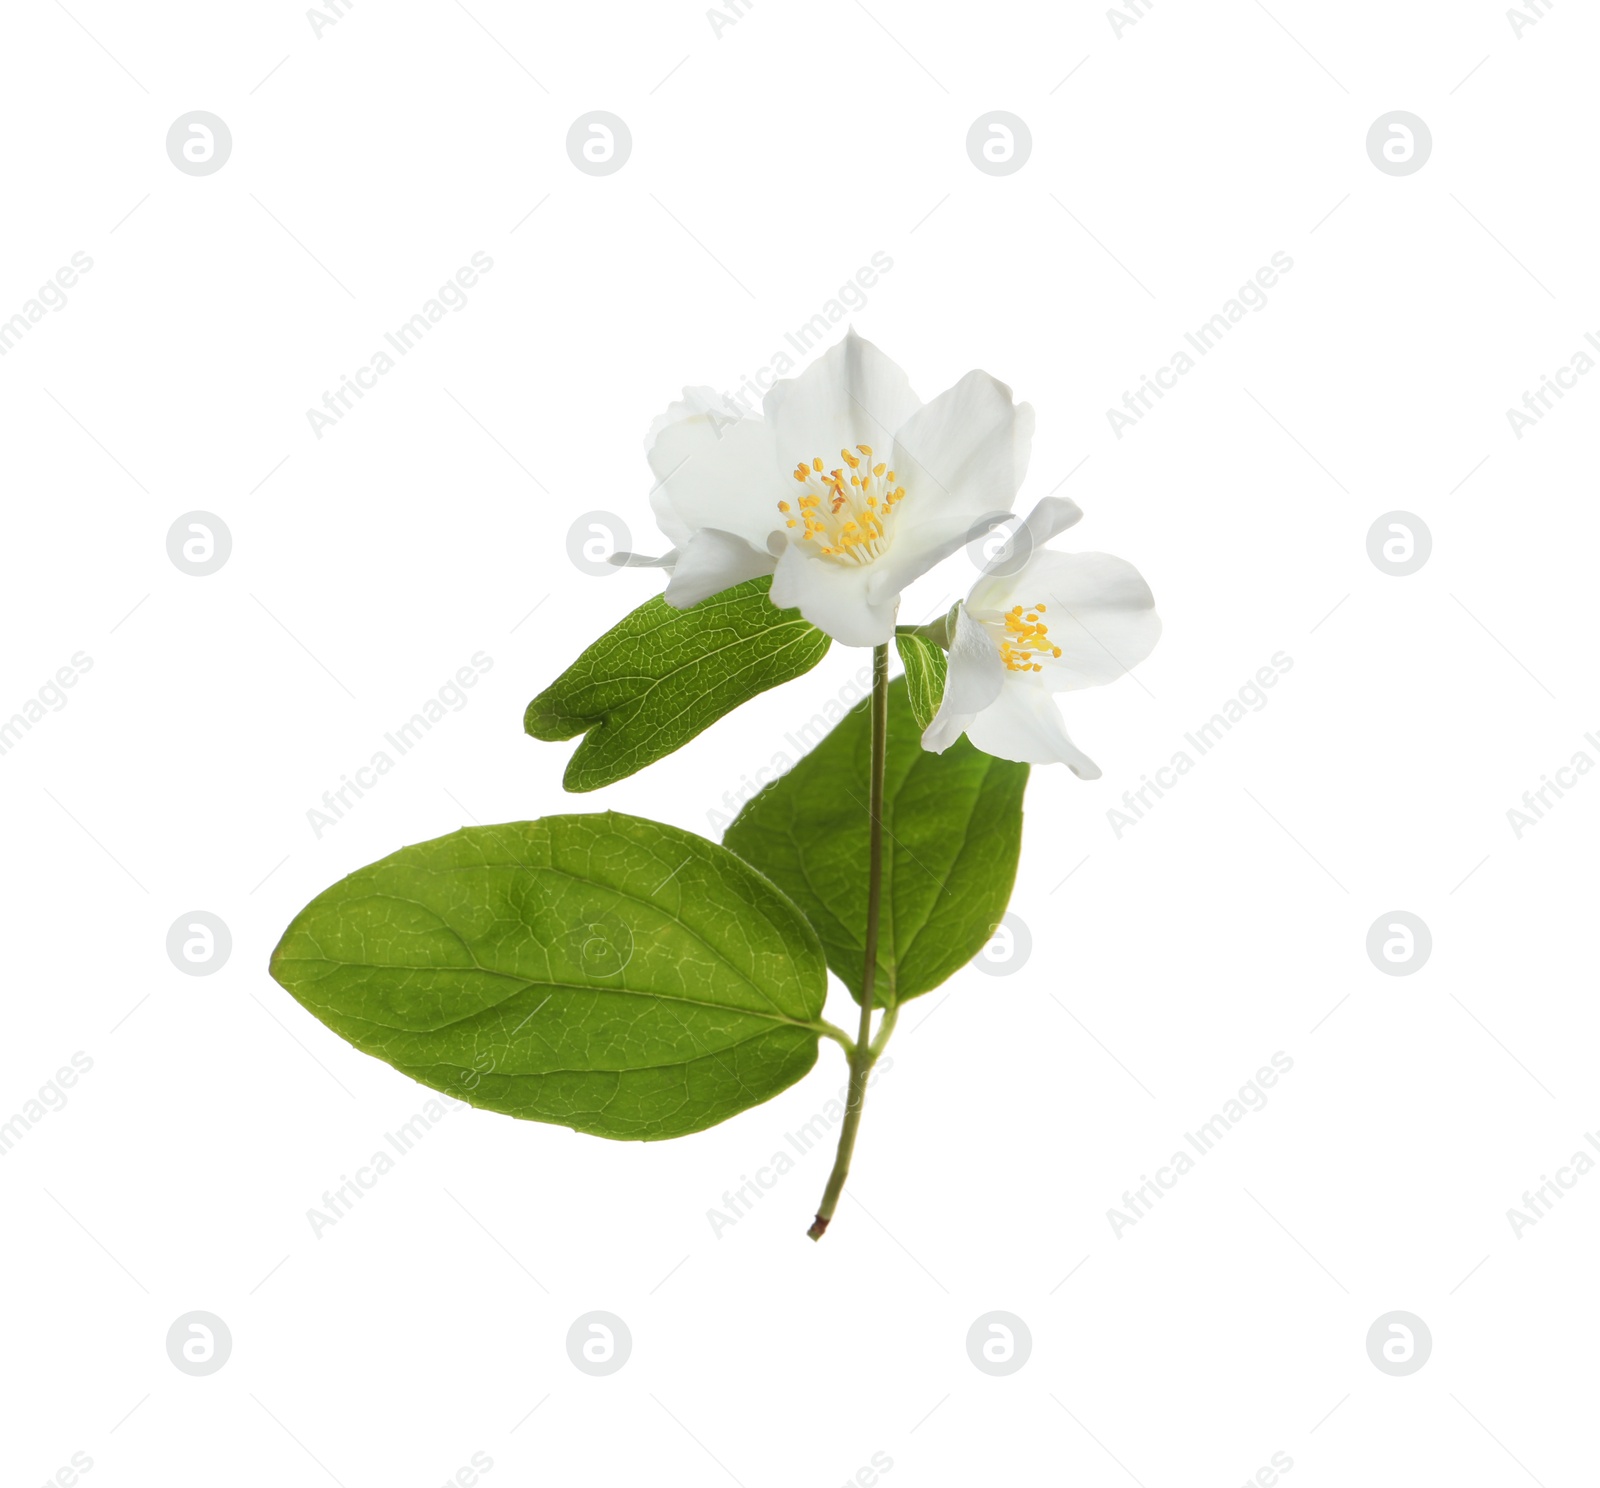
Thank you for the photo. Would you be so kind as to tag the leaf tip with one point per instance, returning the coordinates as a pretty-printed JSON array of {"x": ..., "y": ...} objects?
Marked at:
[{"x": 542, "y": 719}]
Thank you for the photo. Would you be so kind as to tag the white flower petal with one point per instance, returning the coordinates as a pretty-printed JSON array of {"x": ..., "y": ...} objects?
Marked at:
[
  {"x": 961, "y": 459},
  {"x": 673, "y": 527},
  {"x": 1098, "y": 608},
  {"x": 907, "y": 561},
  {"x": 696, "y": 403},
  {"x": 852, "y": 394},
  {"x": 710, "y": 562},
  {"x": 974, "y": 681},
  {"x": 714, "y": 467},
  {"x": 1050, "y": 516},
  {"x": 833, "y": 597},
  {"x": 643, "y": 560},
  {"x": 1023, "y": 723}
]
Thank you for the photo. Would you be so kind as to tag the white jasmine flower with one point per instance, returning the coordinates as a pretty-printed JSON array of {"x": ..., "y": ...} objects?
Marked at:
[
  {"x": 1060, "y": 622},
  {"x": 846, "y": 489}
]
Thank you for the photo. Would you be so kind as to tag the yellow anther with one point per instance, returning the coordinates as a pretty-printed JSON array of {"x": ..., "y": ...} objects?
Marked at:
[
  {"x": 849, "y": 522},
  {"x": 1024, "y": 639}
]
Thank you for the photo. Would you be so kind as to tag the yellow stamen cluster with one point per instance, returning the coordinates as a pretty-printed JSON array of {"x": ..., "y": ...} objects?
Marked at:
[
  {"x": 1026, "y": 639},
  {"x": 848, "y": 512}
]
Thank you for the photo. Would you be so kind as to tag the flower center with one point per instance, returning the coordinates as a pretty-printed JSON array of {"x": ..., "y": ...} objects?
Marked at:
[
  {"x": 1023, "y": 638},
  {"x": 846, "y": 514}
]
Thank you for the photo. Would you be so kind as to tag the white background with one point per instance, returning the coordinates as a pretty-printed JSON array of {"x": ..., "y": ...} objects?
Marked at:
[{"x": 768, "y": 165}]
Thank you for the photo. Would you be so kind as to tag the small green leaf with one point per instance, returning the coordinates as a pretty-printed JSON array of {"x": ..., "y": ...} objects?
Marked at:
[
  {"x": 602, "y": 972},
  {"x": 926, "y": 666},
  {"x": 952, "y": 836},
  {"x": 661, "y": 676}
]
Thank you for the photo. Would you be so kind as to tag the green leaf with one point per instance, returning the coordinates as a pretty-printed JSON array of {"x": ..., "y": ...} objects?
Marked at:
[
  {"x": 953, "y": 832},
  {"x": 653, "y": 682},
  {"x": 603, "y": 972},
  {"x": 926, "y": 666}
]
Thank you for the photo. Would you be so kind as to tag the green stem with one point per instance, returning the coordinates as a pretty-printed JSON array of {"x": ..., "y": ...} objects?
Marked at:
[
  {"x": 866, "y": 1051},
  {"x": 836, "y": 1033},
  {"x": 885, "y": 1028}
]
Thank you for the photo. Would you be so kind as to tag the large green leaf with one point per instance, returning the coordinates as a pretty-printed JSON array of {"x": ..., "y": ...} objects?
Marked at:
[
  {"x": 952, "y": 834},
  {"x": 661, "y": 676},
  {"x": 604, "y": 972}
]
